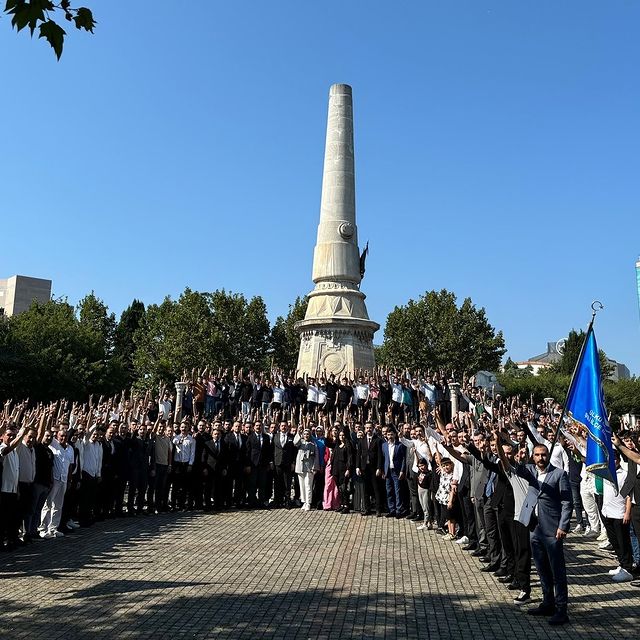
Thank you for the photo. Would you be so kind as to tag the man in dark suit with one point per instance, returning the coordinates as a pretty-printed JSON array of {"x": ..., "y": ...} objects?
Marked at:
[
  {"x": 214, "y": 461},
  {"x": 284, "y": 455},
  {"x": 547, "y": 512},
  {"x": 235, "y": 480},
  {"x": 368, "y": 463},
  {"x": 393, "y": 459},
  {"x": 259, "y": 457}
]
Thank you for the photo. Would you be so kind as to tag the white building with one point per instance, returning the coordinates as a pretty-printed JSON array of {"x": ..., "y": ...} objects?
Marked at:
[
  {"x": 18, "y": 292},
  {"x": 554, "y": 353}
]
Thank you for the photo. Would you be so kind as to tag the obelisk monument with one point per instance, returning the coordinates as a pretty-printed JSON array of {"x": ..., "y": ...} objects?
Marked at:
[{"x": 336, "y": 335}]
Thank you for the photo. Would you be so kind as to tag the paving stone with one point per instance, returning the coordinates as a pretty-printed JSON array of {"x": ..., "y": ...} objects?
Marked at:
[{"x": 286, "y": 575}]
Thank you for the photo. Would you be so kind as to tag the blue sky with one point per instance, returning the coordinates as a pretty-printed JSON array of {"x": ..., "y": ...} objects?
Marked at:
[{"x": 496, "y": 155}]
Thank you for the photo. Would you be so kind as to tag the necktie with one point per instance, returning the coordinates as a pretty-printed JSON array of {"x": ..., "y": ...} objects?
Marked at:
[{"x": 490, "y": 484}]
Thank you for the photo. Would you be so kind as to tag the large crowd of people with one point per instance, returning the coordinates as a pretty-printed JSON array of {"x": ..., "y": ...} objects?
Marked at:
[{"x": 500, "y": 477}]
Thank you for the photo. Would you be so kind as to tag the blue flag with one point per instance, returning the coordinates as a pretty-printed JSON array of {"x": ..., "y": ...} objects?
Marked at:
[{"x": 585, "y": 405}]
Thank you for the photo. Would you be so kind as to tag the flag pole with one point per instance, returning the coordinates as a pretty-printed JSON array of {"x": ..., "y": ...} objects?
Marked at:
[{"x": 596, "y": 306}]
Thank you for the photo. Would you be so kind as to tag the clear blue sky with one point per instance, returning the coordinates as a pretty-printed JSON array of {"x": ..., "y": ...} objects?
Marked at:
[{"x": 497, "y": 148}]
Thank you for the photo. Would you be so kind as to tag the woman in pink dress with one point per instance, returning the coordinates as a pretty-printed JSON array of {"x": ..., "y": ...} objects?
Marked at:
[{"x": 331, "y": 497}]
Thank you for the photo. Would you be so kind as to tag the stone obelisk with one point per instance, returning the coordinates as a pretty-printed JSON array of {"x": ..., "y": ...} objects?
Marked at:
[{"x": 336, "y": 335}]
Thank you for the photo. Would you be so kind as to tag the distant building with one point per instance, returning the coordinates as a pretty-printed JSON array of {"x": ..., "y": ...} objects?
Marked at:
[
  {"x": 544, "y": 360},
  {"x": 18, "y": 292},
  {"x": 554, "y": 353}
]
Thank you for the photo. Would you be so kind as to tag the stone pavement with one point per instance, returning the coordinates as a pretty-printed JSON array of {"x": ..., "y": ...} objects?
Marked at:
[{"x": 285, "y": 574}]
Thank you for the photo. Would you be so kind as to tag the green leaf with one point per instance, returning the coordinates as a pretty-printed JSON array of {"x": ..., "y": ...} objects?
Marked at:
[
  {"x": 54, "y": 34},
  {"x": 84, "y": 19}
]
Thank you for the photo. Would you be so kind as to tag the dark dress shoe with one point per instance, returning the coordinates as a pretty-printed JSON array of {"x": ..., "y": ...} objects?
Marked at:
[
  {"x": 490, "y": 568},
  {"x": 514, "y": 586},
  {"x": 542, "y": 610},
  {"x": 505, "y": 579},
  {"x": 470, "y": 547},
  {"x": 559, "y": 618},
  {"x": 390, "y": 515},
  {"x": 485, "y": 559},
  {"x": 500, "y": 573},
  {"x": 477, "y": 554}
]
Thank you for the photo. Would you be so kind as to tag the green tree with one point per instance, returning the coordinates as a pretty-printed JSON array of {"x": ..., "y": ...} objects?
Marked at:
[
  {"x": 623, "y": 396},
  {"x": 571, "y": 352},
  {"x": 285, "y": 340},
  {"x": 50, "y": 355},
  {"x": 217, "y": 329},
  {"x": 42, "y": 15},
  {"x": 434, "y": 333},
  {"x": 123, "y": 345}
]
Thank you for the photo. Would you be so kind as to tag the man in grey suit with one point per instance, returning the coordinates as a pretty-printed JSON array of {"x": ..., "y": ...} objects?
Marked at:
[{"x": 547, "y": 511}]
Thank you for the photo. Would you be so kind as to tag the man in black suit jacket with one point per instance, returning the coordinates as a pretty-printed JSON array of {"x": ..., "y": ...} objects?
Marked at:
[
  {"x": 284, "y": 456},
  {"x": 235, "y": 485},
  {"x": 214, "y": 460},
  {"x": 368, "y": 463},
  {"x": 259, "y": 455}
]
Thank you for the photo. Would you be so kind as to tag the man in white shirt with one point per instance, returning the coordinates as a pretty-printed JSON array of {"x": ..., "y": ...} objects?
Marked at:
[
  {"x": 9, "y": 512},
  {"x": 90, "y": 453},
  {"x": 361, "y": 393},
  {"x": 63, "y": 459},
  {"x": 183, "y": 456}
]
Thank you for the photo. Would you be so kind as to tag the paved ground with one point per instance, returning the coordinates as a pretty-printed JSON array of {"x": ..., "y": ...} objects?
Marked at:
[{"x": 284, "y": 574}]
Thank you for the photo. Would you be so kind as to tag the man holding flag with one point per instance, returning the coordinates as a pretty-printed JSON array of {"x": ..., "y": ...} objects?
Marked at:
[{"x": 548, "y": 504}]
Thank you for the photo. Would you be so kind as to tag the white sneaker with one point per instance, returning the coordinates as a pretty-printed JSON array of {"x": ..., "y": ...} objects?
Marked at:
[
  {"x": 577, "y": 529},
  {"x": 606, "y": 545},
  {"x": 49, "y": 535},
  {"x": 57, "y": 534},
  {"x": 463, "y": 540},
  {"x": 42, "y": 534},
  {"x": 622, "y": 576},
  {"x": 612, "y": 572},
  {"x": 602, "y": 537},
  {"x": 421, "y": 527},
  {"x": 591, "y": 533}
]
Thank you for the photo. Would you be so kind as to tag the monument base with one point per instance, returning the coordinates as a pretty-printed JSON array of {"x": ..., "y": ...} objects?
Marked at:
[{"x": 340, "y": 346}]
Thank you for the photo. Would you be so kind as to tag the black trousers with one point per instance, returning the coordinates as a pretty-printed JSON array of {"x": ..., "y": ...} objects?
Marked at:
[
  {"x": 258, "y": 486},
  {"x": 137, "y": 490},
  {"x": 414, "y": 501},
  {"x": 317, "y": 491},
  {"x": 478, "y": 508},
  {"x": 235, "y": 486},
  {"x": 25, "y": 504},
  {"x": 522, "y": 550},
  {"x": 9, "y": 518},
  {"x": 505, "y": 523},
  {"x": 181, "y": 485},
  {"x": 373, "y": 488},
  {"x": 158, "y": 493},
  {"x": 468, "y": 516},
  {"x": 88, "y": 498},
  {"x": 492, "y": 529},
  {"x": 620, "y": 539}
]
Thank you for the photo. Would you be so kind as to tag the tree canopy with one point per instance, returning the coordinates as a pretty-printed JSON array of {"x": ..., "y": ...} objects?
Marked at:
[{"x": 434, "y": 333}]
